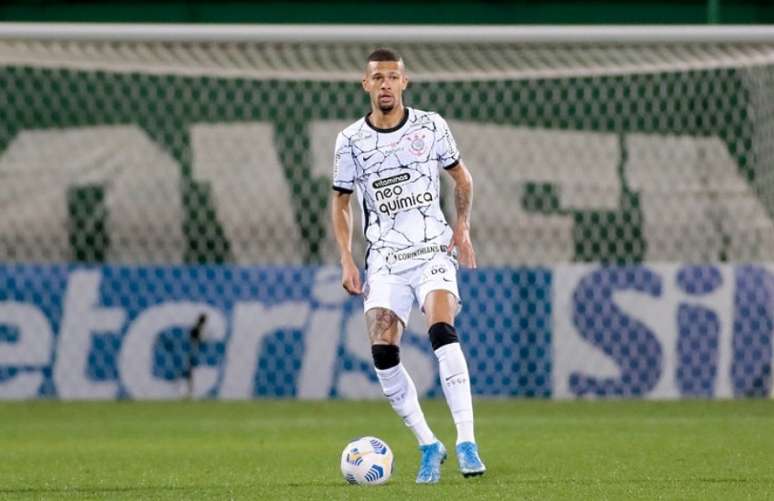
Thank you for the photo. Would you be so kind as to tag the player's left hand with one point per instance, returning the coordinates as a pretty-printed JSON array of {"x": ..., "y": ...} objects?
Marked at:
[{"x": 461, "y": 240}]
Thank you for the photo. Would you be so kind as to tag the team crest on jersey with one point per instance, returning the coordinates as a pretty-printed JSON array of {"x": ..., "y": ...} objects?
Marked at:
[{"x": 417, "y": 144}]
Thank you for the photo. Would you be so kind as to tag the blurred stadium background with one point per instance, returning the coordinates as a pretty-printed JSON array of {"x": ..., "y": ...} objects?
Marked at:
[
  {"x": 164, "y": 235},
  {"x": 152, "y": 174}
]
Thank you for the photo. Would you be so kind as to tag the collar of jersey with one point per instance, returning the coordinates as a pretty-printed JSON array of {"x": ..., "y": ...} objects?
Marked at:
[{"x": 391, "y": 129}]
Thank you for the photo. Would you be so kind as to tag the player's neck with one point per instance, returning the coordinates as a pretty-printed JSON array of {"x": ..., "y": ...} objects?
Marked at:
[{"x": 389, "y": 120}]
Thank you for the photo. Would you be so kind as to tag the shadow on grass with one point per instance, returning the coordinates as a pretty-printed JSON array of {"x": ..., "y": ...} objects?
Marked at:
[{"x": 331, "y": 484}]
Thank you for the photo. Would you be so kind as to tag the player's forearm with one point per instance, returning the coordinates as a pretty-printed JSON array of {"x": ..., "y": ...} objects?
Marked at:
[
  {"x": 463, "y": 197},
  {"x": 341, "y": 215}
]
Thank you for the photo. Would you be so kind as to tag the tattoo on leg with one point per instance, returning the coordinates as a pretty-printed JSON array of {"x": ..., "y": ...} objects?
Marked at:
[{"x": 384, "y": 327}]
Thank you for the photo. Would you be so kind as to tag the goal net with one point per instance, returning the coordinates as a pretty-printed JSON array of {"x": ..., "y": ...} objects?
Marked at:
[{"x": 151, "y": 149}]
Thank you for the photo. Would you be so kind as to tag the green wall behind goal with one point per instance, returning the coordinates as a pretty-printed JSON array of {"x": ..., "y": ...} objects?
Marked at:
[
  {"x": 167, "y": 106},
  {"x": 408, "y": 12}
]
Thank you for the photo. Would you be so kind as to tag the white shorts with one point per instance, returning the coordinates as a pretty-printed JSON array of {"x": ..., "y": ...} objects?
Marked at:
[{"x": 396, "y": 292}]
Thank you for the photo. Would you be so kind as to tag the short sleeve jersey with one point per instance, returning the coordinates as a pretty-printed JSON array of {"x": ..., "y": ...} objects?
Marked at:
[{"x": 395, "y": 174}]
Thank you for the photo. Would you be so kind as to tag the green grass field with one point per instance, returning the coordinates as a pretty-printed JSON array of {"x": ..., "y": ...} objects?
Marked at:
[{"x": 290, "y": 450}]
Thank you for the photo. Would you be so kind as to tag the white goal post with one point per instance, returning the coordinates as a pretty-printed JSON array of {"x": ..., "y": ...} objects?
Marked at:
[{"x": 582, "y": 34}]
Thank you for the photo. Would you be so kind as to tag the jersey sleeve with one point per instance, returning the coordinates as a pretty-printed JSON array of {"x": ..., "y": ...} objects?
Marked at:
[
  {"x": 343, "y": 165},
  {"x": 445, "y": 146}
]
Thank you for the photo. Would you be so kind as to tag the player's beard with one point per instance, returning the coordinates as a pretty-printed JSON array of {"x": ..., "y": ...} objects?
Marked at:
[{"x": 386, "y": 108}]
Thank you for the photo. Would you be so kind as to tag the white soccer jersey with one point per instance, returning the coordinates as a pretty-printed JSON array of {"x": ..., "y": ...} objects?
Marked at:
[{"x": 395, "y": 173}]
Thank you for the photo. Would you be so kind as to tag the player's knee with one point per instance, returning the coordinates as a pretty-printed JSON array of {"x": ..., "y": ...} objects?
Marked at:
[
  {"x": 384, "y": 326},
  {"x": 385, "y": 356},
  {"x": 442, "y": 334}
]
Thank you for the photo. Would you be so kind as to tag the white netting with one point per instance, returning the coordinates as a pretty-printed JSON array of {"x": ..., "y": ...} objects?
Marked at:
[
  {"x": 219, "y": 153},
  {"x": 581, "y": 151}
]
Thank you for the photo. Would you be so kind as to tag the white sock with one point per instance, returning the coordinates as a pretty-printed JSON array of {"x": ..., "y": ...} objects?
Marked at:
[
  {"x": 455, "y": 381},
  {"x": 399, "y": 389}
]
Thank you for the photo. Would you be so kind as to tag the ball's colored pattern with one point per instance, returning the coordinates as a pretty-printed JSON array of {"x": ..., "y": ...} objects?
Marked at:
[{"x": 367, "y": 461}]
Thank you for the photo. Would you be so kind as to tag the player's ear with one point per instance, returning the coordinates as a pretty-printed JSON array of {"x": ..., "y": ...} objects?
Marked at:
[
  {"x": 364, "y": 82},
  {"x": 405, "y": 82}
]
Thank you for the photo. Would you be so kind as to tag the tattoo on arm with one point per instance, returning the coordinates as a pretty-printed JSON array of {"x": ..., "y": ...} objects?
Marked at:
[{"x": 463, "y": 200}]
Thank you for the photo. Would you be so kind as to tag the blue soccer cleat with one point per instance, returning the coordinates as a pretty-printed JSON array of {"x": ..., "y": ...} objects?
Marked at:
[
  {"x": 469, "y": 461},
  {"x": 433, "y": 455}
]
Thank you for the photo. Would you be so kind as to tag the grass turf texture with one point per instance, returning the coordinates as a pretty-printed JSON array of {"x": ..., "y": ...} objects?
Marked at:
[{"x": 290, "y": 450}]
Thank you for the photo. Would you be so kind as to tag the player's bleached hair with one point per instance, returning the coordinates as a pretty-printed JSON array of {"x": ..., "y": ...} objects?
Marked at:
[{"x": 384, "y": 55}]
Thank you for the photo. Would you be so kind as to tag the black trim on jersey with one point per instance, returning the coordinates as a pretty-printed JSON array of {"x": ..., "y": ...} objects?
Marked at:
[
  {"x": 342, "y": 190},
  {"x": 453, "y": 164},
  {"x": 365, "y": 229},
  {"x": 391, "y": 129}
]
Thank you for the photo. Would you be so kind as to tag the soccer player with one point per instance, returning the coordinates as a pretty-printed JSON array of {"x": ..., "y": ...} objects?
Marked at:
[{"x": 393, "y": 158}]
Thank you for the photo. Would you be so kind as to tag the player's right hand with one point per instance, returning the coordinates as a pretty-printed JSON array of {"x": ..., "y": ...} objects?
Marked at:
[{"x": 350, "y": 278}]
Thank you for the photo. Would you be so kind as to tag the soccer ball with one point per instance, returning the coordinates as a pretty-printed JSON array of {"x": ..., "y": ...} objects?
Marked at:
[{"x": 367, "y": 461}]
